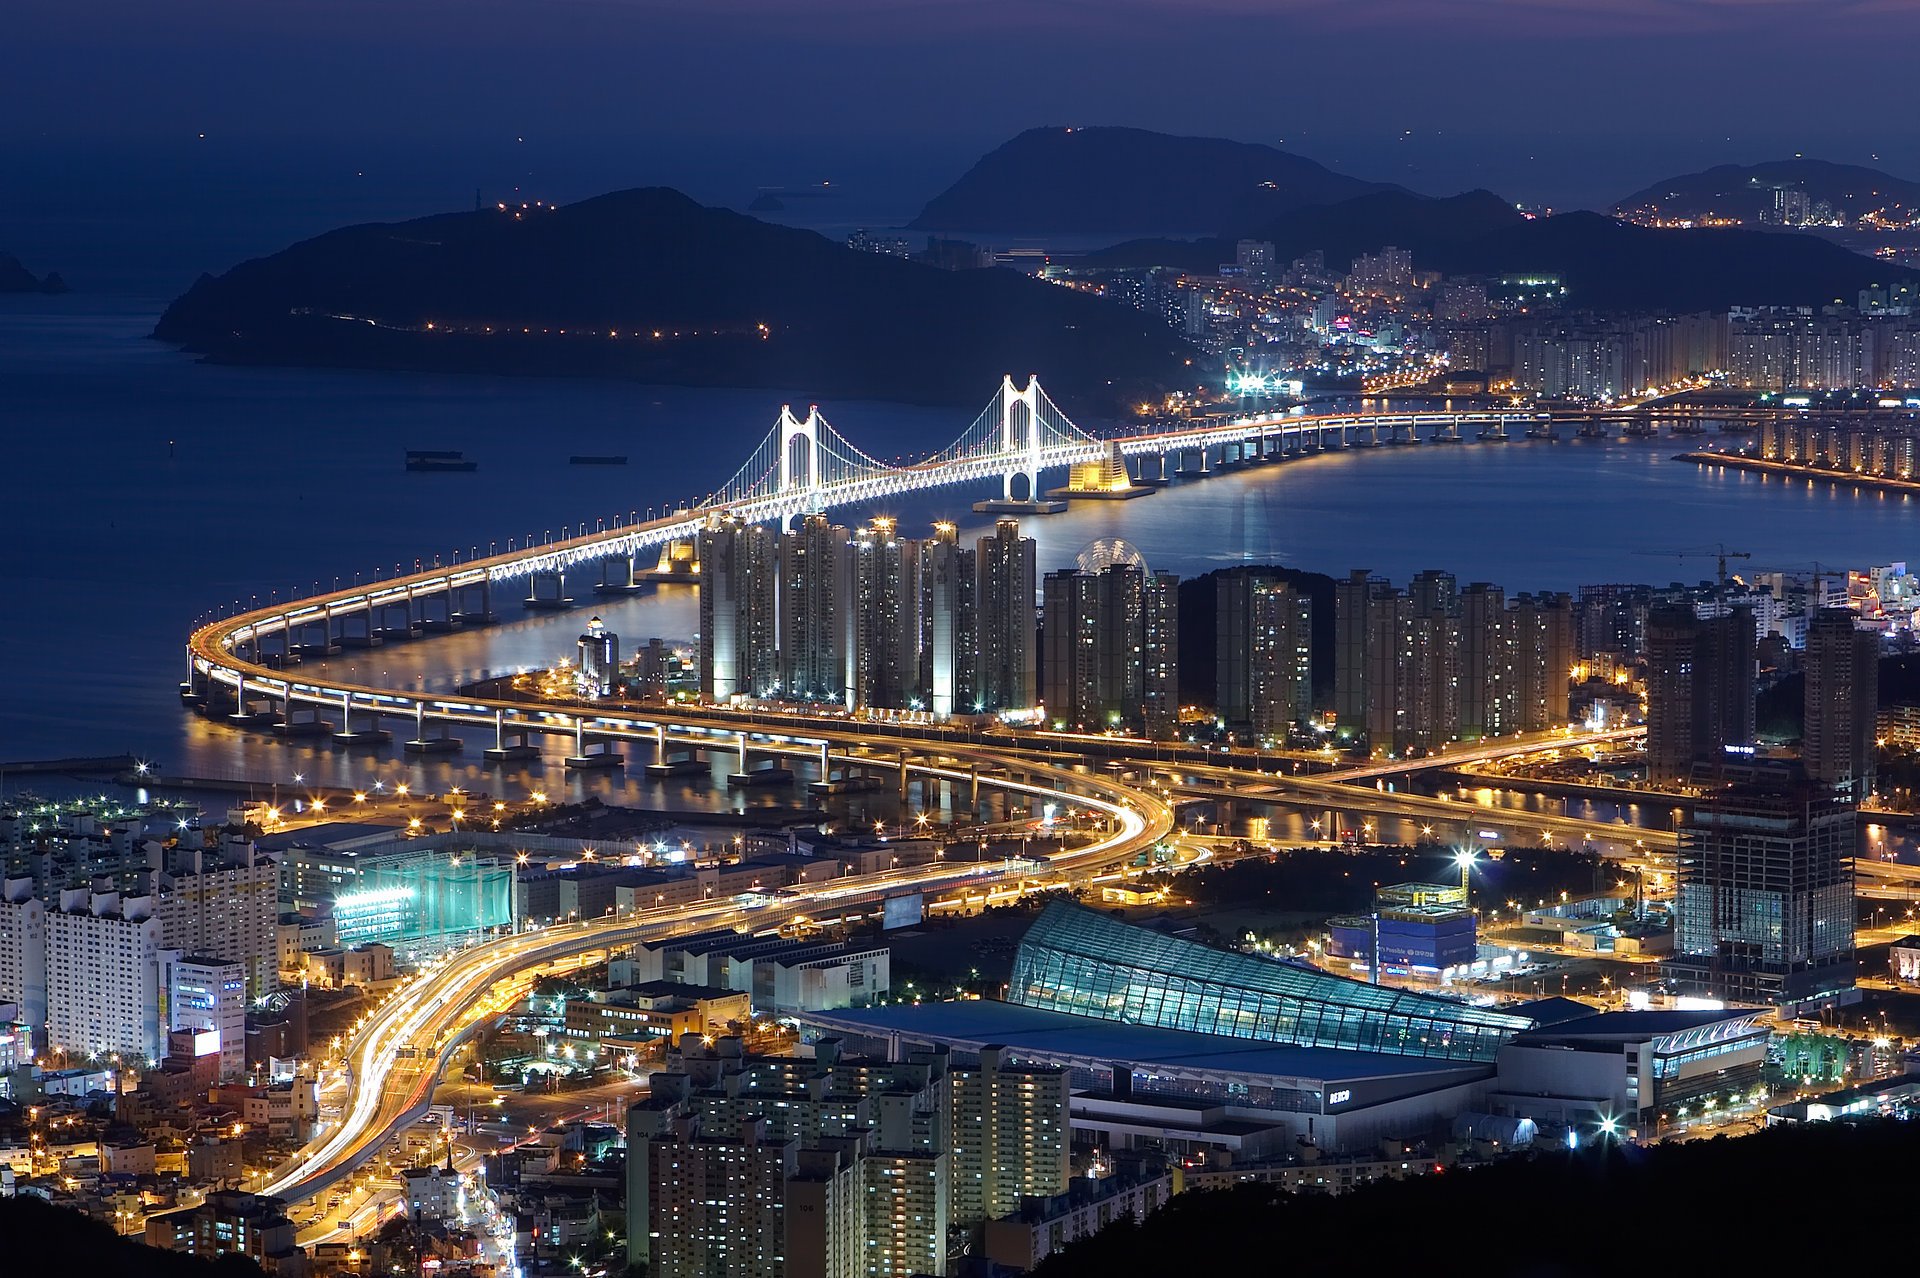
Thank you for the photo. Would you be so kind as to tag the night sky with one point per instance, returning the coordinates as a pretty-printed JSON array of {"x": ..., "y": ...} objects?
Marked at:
[{"x": 1560, "y": 101}]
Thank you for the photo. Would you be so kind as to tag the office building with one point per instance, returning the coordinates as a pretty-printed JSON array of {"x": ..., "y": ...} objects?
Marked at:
[
  {"x": 1263, "y": 653},
  {"x": 738, "y": 624},
  {"x": 103, "y": 973},
  {"x": 949, "y": 648},
  {"x": 816, "y": 612},
  {"x": 1011, "y": 1136},
  {"x": 1700, "y": 690},
  {"x": 23, "y": 952},
  {"x": 223, "y": 903},
  {"x": 207, "y": 996},
  {"x": 882, "y": 611},
  {"x": 1842, "y": 703},
  {"x": 1004, "y": 598},
  {"x": 599, "y": 659},
  {"x": 1765, "y": 902}
]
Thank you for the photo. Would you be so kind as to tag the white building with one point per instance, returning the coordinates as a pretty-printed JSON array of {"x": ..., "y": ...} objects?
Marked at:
[
  {"x": 208, "y": 995},
  {"x": 103, "y": 976},
  {"x": 23, "y": 951},
  {"x": 433, "y": 1193}
]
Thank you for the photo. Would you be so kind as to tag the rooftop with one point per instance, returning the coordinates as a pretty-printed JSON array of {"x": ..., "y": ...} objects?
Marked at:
[{"x": 1038, "y": 1034}]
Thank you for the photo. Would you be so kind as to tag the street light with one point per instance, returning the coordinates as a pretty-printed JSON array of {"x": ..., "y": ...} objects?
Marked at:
[{"x": 1464, "y": 858}]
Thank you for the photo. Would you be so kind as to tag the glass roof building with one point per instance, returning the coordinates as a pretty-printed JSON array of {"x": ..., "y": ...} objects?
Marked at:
[{"x": 1079, "y": 961}]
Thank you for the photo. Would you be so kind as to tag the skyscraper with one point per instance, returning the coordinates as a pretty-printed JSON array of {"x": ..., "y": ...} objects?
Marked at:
[
  {"x": 1765, "y": 906},
  {"x": 1262, "y": 654},
  {"x": 815, "y": 607},
  {"x": 950, "y": 624},
  {"x": 1700, "y": 677},
  {"x": 1842, "y": 701},
  {"x": 737, "y": 616},
  {"x": 1004, "y": 598},
  {"x": 1487, "y": 687},
  {"x": 599, "y": 658},
  {"x": 1011, "y": 1136},
  {"x": 1356, "y": 601},
  {"x": 883, "y": 616},
  {"x": 1112, "y": 648},
  {"x": 1542, "y": 629}
]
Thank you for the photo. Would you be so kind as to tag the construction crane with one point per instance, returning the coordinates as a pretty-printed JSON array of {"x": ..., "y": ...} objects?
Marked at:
[{"x": 1718, "y": 550}]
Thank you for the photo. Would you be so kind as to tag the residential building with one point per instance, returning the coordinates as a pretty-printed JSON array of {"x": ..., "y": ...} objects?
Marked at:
[
  {"x": 1700, "y": 689},
  {"x": 1842, "y": 703},
  {"x": 882, "y": 645},
  {"x": 1011, "y": 1136},
  {"x": 23, "y": 952},
  {"x": 1004, "y": 598},
  {"x": 228, "y": 1222},
  {"x": 208, "y": 995},
  {"x": 815, "y": 611},
  {"x": 950, "y": 624},
  {"x": 738, "y": 624},
  {"x": 103, "y": 972},
  {"x": 223, "y": 903},
  {"x": 1263, "y": 653}
]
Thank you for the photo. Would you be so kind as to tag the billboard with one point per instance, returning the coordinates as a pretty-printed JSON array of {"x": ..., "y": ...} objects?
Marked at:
[{"x": 902, "y": 911}]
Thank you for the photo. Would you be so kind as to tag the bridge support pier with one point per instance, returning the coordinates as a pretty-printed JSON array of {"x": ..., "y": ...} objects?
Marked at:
[
  {"x": 510, "y": 743},
  {"x": 670, "y": 759},
  {"x": 558, "y": 601},
  {"x": 371, "y": 734},
  {"x": 773, "y": 774},
  {"x": 480, "y": 593},
  {"x": 424, "y": 744},
  {"x": 617, "y": 576},
  {"x": 591, "y": 753}
]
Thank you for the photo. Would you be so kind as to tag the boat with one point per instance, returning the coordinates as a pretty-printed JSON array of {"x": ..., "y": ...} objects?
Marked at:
[
  {"x": 581, "y": 459},
  {"x": 439, "y": 459}
]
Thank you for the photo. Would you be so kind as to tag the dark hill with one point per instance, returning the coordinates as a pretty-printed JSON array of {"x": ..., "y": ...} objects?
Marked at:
[
  {"x": 1091, "y": 181},
  {"x": 42, "y": 1239},
  {"x": 1597, "y": 1211},
  {"x": 1342, "y": 231},
  {"x": 1744, "y": 190},
  {"x": 16, "y": 278},
  {"x": 650, "y": 285},
  {"x": 1612, "y": 265}
]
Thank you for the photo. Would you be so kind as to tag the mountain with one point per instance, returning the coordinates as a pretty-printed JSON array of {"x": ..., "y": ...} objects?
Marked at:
[
  {"x": 15, "y": 278},
  {"x": 1745, "y": 191},
  {"x": 1608, "y": 264},
  {"x": 1101, "y": 181},
  {"x": 1343, "y": 231},
  {"x": 650, "y": 285},
  {"x": 1605, "y": 263}
]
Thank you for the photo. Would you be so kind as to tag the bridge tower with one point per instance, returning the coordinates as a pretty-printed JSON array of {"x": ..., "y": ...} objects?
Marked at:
[
  {"x": 799, "y": 467},
  {"x": 1020, "y": 441}
]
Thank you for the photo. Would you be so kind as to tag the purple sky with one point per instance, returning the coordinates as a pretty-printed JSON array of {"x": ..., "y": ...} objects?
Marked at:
[{"x": 1564, "y": 100}]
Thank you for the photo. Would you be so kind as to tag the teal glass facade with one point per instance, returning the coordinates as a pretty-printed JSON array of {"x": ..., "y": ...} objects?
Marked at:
[{"x": 1082, "y": 962}]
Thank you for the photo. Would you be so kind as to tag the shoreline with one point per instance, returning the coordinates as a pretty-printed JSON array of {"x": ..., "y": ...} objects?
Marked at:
[{"x": 1763, "y": 467}]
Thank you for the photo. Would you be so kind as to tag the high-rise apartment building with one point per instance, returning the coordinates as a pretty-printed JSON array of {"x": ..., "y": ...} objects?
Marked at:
[
  {"x": 1765, "y": 904},
  {"x": 1012, "y": 1136},
  {"x": 949, "y": 643},
  {"x": 1438, "y": 663},
  {"x": 781, "y": 1166},
  {"x": 1842, "y": 702},
  {"x": 1004, "y": 597},
  {"x": 1263, "y": 653},
  {"x": 1112, "y": 641},
  {"x": 816, "y": 611},
  {"x": 883, "y": 618},
  {"x": 1700, "y": 689},
  {"x": 103, "y": 974},
  {"x": 738, "y": 625},
  {"x": 23, "y": 952},
  {"x": 223, "y": 903}
]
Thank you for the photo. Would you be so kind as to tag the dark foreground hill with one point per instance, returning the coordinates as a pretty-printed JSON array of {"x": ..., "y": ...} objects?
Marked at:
[
  {"x": 41, "y": 1240},
  {"x": 650, "y": 285},
  {"x": 1093, "y": 181},
  {"x": 1768, "y": 1203}
]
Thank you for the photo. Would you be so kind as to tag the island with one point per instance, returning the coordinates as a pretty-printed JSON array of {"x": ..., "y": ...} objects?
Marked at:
[
  {"x": 16, "y": 278},
  {"x": 647, "y": 284}
]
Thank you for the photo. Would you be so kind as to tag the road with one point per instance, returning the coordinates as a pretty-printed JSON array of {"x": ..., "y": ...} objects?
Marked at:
[{"x": 397, "y": 1052}]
